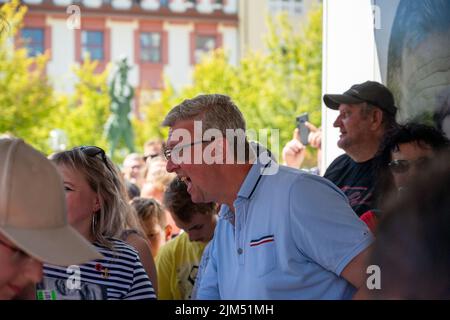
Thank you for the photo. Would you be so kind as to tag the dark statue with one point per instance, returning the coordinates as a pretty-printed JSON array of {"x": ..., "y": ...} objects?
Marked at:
[{"x": 118, "y": 125}]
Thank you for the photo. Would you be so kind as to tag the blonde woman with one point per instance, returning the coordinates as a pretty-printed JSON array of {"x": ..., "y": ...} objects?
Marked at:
[{"x": 97, "y": 208}]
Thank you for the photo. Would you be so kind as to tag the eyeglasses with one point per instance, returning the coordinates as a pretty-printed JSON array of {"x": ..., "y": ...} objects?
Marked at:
[
  {"x": 18, "y": 255},
  {"x": 403, "y": 166},
  {"x": 168, "y": 152},
  {"x": 93, "y": 151},
  {"x": 151, "y": 156}
]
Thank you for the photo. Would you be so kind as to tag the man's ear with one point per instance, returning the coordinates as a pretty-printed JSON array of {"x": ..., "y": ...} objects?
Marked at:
[
  {"x": 168, "y": 232},
  {"x": 376, "y": 119}
]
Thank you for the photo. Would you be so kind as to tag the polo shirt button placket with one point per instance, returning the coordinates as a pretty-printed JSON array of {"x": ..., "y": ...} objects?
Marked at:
[{"x": 240, "y": 212}]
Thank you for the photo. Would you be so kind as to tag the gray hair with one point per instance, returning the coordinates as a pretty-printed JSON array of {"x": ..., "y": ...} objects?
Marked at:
[{"x": 216, "y": 111}]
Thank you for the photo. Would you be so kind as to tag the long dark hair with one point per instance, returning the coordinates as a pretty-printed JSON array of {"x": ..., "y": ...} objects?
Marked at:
[{"x": 423, "y": 135}]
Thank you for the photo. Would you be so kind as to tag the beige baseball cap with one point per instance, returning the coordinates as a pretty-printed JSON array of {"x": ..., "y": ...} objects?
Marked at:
[{"x": 33, "y": 207}]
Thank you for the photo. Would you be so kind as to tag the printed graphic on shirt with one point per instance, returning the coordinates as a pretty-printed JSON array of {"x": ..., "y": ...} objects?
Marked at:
[
  {"x": 58, "y": 289},
  {"x": 187, "y": 274},
  {"x": 357, "y": 196},
  {"x": 119, "y": 275}
]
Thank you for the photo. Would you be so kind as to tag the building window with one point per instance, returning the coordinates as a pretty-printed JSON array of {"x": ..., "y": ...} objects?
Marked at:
[
  {"x": 150, "y": 47},
  {"x": 34, "y": 41},
  {"x": 191, "y": 3},
  {"x": 204, "y": 44},
  {"x": 164, "y": 3},
  {"x": 217, "y": 4},
  {"x": 92, "y": 43},
  {"x": 290, "y": 6}
]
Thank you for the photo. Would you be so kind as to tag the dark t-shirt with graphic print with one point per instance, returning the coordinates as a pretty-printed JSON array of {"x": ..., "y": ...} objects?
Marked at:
[{"x": 355, "y": 179}]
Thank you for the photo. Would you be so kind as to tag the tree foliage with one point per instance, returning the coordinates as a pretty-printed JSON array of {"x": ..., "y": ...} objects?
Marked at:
[
  {"x": 26, "y": 96},
  {"x": 83, "y": 115},
  {"x": 271, "y": 89},
  {"x": 30, "y": 109}
]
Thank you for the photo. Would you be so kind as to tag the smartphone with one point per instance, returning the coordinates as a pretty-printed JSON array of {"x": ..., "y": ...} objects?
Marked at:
[{"x": 304, "y": 131}]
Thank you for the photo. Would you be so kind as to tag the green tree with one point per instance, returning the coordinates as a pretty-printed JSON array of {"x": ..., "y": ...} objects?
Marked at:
[
  {"x": 26, "y": 96},
  {"x": 83, "y": 114},
  {"x": 30, "y": 108},
  {"x": 150, "y": 126},
  {"x": 271, "y": 89}
]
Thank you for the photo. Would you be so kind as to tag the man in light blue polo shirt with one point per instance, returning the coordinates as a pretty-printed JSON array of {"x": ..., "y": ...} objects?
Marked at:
[{"x": 282, "y": 234}]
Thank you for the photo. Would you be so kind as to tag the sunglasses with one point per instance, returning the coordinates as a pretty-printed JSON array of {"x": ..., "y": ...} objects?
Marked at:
[
  {"x": 93, "y": 151},
  {"x": 403, "y": 166}
]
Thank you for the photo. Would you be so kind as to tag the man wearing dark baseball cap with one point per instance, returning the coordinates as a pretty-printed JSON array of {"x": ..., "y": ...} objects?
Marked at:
[
  {"x": 370, "y": 92},
  {"x": 366, "y": 112}
]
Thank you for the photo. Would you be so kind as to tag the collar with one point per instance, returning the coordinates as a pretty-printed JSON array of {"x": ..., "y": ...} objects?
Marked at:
[
  {"x": 252, "y": 179},
  {"x": 247, "y": 189}
]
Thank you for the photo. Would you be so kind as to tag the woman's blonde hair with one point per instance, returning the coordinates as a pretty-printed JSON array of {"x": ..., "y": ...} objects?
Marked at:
[{"x": 106, "y": 181}]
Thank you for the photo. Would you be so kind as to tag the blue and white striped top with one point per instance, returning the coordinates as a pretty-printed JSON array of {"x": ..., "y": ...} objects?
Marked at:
[{"x": 119, "y": 276}]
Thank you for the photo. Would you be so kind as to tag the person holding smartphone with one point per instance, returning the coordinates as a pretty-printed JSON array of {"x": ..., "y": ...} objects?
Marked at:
[
  {"x": 366, "y": 112},
  {"x": 294, "y": 151}
]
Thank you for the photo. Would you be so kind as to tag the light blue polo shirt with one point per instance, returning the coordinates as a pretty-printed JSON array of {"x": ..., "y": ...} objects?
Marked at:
[{"x": 294, "y": 233}]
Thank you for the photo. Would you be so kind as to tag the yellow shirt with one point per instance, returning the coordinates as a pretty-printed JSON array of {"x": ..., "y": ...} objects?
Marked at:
[{"x": 177, "y": 265}]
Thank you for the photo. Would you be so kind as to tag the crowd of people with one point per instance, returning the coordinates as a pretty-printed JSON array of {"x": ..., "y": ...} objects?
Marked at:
[{"x": 76, "y": 226}]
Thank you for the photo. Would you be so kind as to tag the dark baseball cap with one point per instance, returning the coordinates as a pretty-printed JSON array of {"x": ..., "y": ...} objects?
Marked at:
[{"x": 370, "y": 91}]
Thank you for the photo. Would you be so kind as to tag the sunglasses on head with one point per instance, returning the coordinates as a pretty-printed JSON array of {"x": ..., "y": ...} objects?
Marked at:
[
  {"x": 403, "y": 166},
  {"x": 93, "y": 151}
]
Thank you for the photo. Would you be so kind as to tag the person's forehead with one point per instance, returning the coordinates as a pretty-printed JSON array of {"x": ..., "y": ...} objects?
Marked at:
[
  {"x": 349, "y": 107},
  {"x": 135, "y": 162},
  {"x": 180, "y": 125},
  {"x": 71, "y": 175},
  {"x": 153, "y": 224},
  {"x": 153, "y": 149},
  {"x": 181, "y": 224},
  {"x": 197, "y": 219},
  {"x": 411, "y": 150}
]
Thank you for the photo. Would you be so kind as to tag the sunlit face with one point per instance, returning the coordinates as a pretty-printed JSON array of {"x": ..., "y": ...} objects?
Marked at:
[
  {"x": 151, "y": 191},
  {"x": 82, "y": 201},
  {"x": 416, "y": 155},
  {"x": 200, "y": 228},
  {"x": 17, "y": 270},
  {"x": 152, "y": 151},
  {"x": 155, "y": 234},
  {"x": 133, "y": 169},
  {"x": 155, "y": 166},
  {"x": 201, "y": 185},
  {"x": 353, "y": 127}
]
